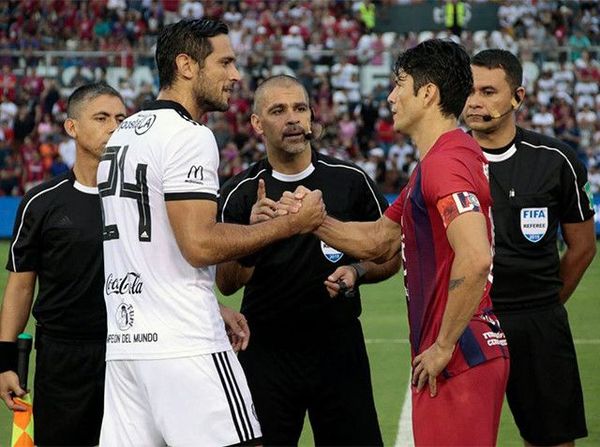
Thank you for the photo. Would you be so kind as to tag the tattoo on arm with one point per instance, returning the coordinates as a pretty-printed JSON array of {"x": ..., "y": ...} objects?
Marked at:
[{"x": 455, "y": 283}]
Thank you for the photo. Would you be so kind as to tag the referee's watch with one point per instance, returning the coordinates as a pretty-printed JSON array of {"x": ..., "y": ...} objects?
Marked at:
[{"x": 360, "y": 270}]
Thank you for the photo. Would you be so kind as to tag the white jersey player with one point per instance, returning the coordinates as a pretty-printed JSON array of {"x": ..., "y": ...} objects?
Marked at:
[{"x": 172, "y": 377}]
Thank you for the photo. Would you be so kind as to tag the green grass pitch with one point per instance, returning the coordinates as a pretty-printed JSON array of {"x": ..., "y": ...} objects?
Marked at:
[{"x": 385, "y": 325}]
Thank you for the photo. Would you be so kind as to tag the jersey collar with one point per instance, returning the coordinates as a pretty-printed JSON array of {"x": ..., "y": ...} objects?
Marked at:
[
  {"x": 294, "y": 177},
  {"x": 502, "y": 153},
  {"x": 167, "y": 104},
  {"x": 494, "y": 157},
  {"x": 80, "y": 187}
]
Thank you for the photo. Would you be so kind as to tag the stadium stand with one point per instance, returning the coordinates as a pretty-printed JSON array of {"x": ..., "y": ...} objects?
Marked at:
[{"x": 49, "y": 47}]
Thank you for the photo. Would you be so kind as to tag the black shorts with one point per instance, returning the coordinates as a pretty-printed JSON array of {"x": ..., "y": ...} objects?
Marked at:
[
  {"x": 544, "y": 390},
  {"x": 68, "y": 397},
  {"x": 329, "y": 378}
]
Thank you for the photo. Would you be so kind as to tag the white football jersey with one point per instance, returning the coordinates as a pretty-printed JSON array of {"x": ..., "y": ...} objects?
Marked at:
[{"x": 158, "y": 305}]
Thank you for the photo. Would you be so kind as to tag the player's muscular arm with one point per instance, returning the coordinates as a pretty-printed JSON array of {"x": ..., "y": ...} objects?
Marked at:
[
  {"x": 581, "y": 249},
  {"x": 378, "y": 241},
  {"x": 467, "y": 235},
  {"x": 16, "y": 305},
  {"x": 232, "y": 276},
  {"x": 203, "y": 241}
]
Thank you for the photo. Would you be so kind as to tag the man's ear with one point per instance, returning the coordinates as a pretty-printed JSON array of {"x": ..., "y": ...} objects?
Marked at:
[
  {"x": 70, "y": 127},
  {"x": 518, "y": 97},
  {"x": 431, "y": 94},
  {"x": 185, "y": 65},
  {"x": 256, "y": 124}
]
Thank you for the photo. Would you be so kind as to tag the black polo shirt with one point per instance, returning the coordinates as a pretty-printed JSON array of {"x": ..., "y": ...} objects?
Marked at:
[
  {"x": 537, "y": 183},
  {"x": 58, "y": 235},
  {"x": 286, "y": 294}
]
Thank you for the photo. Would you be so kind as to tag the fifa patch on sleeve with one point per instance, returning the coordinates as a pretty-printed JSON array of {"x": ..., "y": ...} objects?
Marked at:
[{"x": 453, "y": 205}]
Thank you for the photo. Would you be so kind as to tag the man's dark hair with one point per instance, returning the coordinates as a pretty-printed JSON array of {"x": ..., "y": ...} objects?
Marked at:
[
  {"x": 443, "y": 63},
  {"x": 185, "y": 37},
  {"x": 86, "y": 93},
  {"x": 501, "y": 59}
]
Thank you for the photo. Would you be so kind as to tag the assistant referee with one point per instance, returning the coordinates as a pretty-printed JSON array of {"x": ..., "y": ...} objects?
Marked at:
[
  {"x": 538, "y": 187},
  {"x": 57, "y": 240}
]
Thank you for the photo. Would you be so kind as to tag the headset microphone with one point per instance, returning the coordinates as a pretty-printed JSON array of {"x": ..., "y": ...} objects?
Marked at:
[
  {"x": 308, "y": 135},
  {"x": 514, "y": 104}
]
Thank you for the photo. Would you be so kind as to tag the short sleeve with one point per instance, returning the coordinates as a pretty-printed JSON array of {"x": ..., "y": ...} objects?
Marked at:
[
  {"x": 374, "y": 202},
  {"x": 24, "y": 248},
  {"x": 191, "y": 170},
  {"x": 395, "y": 210},
  {"x": 445, "y": 175},
  {"x": 234, "y": 204},
  {"x": 576, "y": 199}
]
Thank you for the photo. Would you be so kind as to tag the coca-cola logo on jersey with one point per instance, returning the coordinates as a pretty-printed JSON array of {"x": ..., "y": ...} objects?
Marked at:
[{"x": 130, "y": 284}]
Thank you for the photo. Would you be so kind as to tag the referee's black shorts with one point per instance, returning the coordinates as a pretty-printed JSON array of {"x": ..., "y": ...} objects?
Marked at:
[
  {"x": 329, "y": 377},
  {"x": 544, "y": 390},
  {"x": 68, "y": 397}
]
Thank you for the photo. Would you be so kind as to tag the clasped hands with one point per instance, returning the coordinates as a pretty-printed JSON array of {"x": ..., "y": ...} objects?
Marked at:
[
  {"x": 302, "y": 200},
  {"x": 304, "y": 207}
]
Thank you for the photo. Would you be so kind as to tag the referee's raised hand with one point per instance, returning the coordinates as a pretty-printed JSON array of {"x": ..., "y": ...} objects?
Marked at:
[{"x": 264, "y": 208}]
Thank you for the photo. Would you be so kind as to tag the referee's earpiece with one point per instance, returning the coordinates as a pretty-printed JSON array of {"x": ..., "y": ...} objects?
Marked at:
[
  {"x": 316, "y": 128},
  {"x": 515, "y": 101}
]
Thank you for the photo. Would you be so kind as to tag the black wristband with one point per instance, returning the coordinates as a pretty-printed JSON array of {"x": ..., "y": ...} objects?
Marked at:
[
  {"x": 359, "y": 269},
  {"x": 8, "y": 356}
]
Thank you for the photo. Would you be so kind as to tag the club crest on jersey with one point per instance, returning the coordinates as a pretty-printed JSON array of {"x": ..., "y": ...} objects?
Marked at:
[
  {"x": 124, "y": 316},
  {"x": 145, "y": 124},
  {"x": 534, "y": 223},
  {"x": 331, "y": 253}
]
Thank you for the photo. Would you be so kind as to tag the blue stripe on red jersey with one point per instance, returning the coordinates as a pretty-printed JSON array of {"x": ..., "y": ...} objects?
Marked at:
[
  {"x": 470, "y": 348},
  {"x": 423, "y": 272}
]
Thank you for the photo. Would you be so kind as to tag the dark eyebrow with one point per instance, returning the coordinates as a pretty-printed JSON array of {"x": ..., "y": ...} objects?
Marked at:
[
  {"x": 294, "y": 105},
  {"x": 228, "y": 59},
  {"x": 106, "y": 114},
  {"x": 274, "y": 106}
]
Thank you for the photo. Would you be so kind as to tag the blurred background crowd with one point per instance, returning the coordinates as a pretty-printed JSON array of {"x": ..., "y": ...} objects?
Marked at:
[{"x": 49, "y": 47}]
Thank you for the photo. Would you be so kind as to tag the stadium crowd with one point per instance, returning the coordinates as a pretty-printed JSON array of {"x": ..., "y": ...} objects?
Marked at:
[{"x": 324, "y": 43}]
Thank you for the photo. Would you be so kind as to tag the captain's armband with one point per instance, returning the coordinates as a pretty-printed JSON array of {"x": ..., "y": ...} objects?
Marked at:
[{"x": 453, "y": 205}]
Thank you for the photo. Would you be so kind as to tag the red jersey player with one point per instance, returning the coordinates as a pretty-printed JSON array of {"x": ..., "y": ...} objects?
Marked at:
[{"x": 441, "y": 221}]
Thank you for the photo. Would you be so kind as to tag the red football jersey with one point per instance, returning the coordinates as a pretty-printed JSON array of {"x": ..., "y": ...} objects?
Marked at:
[{"x": 454, "y": 169}]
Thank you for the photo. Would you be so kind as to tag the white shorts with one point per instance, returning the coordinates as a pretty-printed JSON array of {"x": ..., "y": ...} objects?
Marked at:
[{"x": 189, "y": 401}]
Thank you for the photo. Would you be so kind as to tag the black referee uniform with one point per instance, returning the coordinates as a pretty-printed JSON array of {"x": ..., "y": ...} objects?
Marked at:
[
  {"x": 58, "y": 235},
  {"x": 537, "y": 183},
  {"x": 307, "y": 350}
]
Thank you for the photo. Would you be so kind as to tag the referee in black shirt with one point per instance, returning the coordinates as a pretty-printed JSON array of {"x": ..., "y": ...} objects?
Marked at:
[
  {"x": 307, "y": 351},
  {"x": 538, "y": 186},
  {"x": 57, "y": 239}
]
